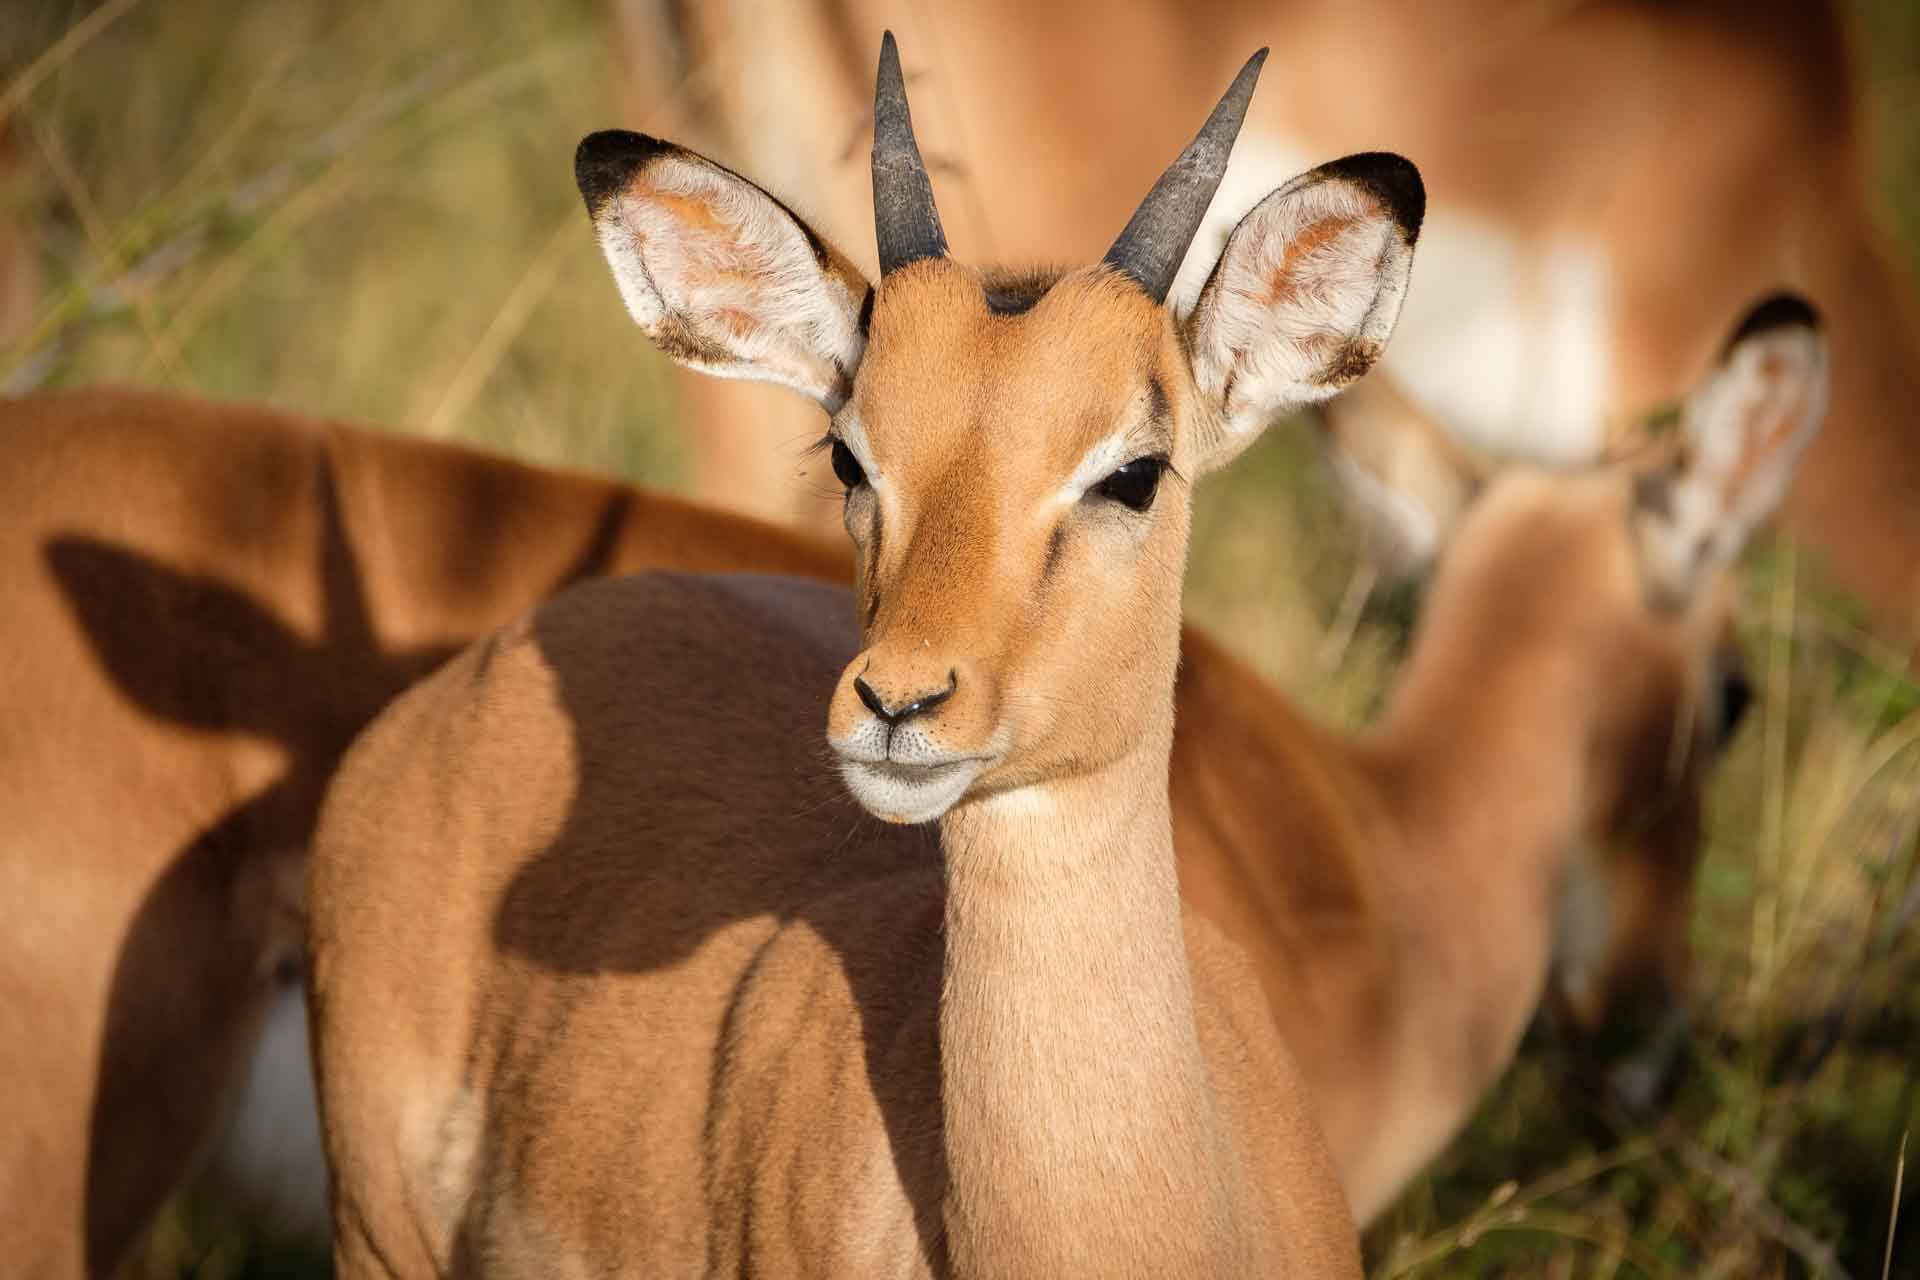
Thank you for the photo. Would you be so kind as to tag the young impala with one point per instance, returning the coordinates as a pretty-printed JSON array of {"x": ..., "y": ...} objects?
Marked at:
[
  {"x": 1611, "y": 181},
  {"x": 1524, "y": 818},
  {"x": 608, "y": 976}
]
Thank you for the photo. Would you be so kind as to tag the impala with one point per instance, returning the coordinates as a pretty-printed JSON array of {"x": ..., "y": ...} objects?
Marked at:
[
  {"x": 1610, "y": 181},
  {"x": 1524, "y": 818},
  {"x": 203, "y": 604},
  {"x": 607, "y": 973}
]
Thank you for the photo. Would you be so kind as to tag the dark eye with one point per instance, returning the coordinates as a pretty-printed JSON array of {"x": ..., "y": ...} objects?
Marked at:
[
  {"x": 1134, "y": 484},
  {"x": 1736, "y": 695},
  {"x": 847, "y": 467}
]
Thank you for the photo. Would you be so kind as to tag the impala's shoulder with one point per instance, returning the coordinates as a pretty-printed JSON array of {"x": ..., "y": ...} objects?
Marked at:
[{"x": 662, "y": 624}]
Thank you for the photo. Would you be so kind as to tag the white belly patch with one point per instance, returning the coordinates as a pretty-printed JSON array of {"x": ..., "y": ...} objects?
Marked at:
[
  {"x": 1507, "y": 345},
  {"x": 269, "y": 1163}
]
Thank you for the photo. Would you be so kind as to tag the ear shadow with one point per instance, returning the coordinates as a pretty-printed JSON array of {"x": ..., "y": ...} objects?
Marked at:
[
  {"x": 194, "y": 968},
  {"x": 187, "y": 991}
]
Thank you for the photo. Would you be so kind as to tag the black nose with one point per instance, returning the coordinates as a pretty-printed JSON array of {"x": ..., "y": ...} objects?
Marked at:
[{"x": 912, "y": 707}]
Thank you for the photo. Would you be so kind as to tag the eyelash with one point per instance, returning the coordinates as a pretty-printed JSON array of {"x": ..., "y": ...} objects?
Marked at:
[
  {"x": 1135, "y": 483},
  {"x": 842, "y": 459}
]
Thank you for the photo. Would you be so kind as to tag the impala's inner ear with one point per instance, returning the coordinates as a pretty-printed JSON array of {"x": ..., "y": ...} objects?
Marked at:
[
  {"x": 1403, "y": 480},
  {"x": 722, "y": 276},
  {"x": 1304, "y": 296},
  {"x": 1744, "y": 429}
]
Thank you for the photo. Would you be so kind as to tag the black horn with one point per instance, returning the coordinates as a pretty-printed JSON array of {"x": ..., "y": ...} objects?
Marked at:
[
  {"x": 905, "y": 222},
  {"x": 1149, "y": 251}
]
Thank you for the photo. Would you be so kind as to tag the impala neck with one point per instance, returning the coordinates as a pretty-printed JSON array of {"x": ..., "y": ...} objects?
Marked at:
[
  {"x": 1079, "y": 1121},
  {"x": 1484, "y": 765}
]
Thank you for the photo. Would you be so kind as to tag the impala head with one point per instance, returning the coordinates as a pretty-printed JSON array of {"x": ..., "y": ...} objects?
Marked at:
[
  {"x": 1017, "y": 451},
  {"x": 1621, "y": 576}
]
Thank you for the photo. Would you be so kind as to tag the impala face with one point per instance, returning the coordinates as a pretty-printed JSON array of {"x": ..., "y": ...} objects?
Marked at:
[
  {"x": 1021, "y": 535},
  {"x": 1017, "y": 452}
]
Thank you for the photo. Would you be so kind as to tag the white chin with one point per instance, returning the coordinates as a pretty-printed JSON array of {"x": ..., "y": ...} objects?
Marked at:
[{"x": 909, "y": 793}]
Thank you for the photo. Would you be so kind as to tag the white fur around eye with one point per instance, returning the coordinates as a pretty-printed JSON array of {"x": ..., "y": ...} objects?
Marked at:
[
  {"x": 726, "y": 282},
  {"x": 852, "y": 430},
  {"x": 1101, "y": 461}
]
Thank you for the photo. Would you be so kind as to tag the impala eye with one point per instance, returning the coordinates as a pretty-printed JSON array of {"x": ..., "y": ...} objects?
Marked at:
[
  {"x": 1134, "y": 484},
  {"x": 846, "y": 467},
  {"x": 1736, "y": 696}
]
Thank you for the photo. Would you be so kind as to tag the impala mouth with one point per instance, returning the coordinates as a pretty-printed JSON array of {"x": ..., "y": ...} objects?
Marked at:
[{"x": 895, "y": 791}]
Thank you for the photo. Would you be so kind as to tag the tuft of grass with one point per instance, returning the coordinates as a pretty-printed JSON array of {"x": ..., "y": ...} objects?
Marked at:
[
  {"x": 367, "y": 211},
  {"x": 349, "y": 209}
]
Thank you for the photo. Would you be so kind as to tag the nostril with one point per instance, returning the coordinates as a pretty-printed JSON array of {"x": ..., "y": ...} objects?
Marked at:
[
  {"x": 872, "y": 699},
  {"x": 928, "y": 701},
  {"x": 913, "y": 707}
]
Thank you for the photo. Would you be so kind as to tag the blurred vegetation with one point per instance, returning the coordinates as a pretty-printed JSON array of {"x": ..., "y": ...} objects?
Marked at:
[{"x": 366, "y": 211}]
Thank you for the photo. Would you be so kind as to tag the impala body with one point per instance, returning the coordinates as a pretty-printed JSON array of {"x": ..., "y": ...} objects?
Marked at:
[
  {"x": 773, "y": 1035},
  {"x": 1610, "y": 182}
]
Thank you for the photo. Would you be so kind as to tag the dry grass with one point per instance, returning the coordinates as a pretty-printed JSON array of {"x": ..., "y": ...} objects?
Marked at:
[{"x": 366, "y": 211}]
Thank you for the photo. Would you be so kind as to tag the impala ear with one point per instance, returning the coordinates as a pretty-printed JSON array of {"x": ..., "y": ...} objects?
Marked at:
[
  {"x": 1303, "y": 297},
  {"x": 1744, "y": 429},
  {"x": 722, "y": 276},
  {"x": 1404, "y": 482}
]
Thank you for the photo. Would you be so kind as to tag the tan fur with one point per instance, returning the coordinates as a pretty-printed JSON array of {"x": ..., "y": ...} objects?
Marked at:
[
  {"x": 204, "y": 603},
  {"x": 704, "y": 1017},
  {"x": 1714, "y": 142}
]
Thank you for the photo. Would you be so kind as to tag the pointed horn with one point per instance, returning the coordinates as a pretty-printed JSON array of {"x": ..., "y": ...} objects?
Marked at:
[
  {"x": 1151, "y": 248},
  {"x": 905, "y": 222}
]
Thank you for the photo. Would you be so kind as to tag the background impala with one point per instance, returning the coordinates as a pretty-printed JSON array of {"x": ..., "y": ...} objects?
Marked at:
[{"x": 356, "y": 212}]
